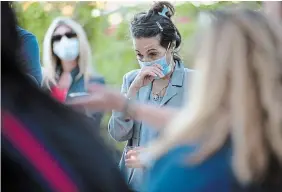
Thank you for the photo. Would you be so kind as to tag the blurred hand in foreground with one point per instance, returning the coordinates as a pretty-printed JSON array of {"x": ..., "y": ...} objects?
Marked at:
[
  {"x": 132, "y": 159},
  {"x": 101, "y": 98}
]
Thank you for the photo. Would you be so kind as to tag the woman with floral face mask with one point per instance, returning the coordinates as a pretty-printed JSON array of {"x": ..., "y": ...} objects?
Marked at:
[
  {"x": 160, "y": 81},
  {"x": 68, "y": 62}
]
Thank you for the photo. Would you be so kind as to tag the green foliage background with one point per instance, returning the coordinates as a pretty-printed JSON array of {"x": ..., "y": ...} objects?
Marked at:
[{"x": 112, "y": 53}]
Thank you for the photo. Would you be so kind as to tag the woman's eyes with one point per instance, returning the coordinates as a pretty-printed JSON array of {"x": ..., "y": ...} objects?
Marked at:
[
  {"x": 153, "y": 54},
  {"x": 139, "y": 56}
]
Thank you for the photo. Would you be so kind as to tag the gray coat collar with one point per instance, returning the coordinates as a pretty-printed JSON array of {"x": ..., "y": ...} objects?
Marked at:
[{"x": 177, "y": 77}]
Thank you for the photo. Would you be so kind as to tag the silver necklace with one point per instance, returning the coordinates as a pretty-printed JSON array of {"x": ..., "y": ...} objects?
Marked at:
[{"x": 156, "y": 96}]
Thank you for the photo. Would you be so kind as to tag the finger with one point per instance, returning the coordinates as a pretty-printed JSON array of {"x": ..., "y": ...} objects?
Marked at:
[
  {"x": 131, "y": 153},
  {"x": 152, "y": 74},
  {"x": 158, "y": 72},
  {"x": 147, "y": 72},
  {"x": 133, "y": 163},
  {"x": 158, "y": 66},
  {"x": 127, "y": 155},
  {"x": 130, "y": 165},
  {"x": 131, "y": 160}
]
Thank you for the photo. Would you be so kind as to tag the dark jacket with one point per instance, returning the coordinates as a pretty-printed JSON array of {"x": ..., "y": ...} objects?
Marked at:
[{"x": 30, "y": 55}]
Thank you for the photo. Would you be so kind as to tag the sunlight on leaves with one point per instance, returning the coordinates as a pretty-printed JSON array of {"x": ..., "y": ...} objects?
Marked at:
[
  {"x": 47, "y": 7},
  {"x": 67, "y": 10},
  {"x": 25, "y": 5}
]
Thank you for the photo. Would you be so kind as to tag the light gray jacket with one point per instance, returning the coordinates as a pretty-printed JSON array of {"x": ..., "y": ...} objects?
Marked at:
[{"x": 122, "y": 130}]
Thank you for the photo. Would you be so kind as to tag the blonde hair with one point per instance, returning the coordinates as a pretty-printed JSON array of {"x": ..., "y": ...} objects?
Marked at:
[
  {"x": 49, "y": 59},
  {"x": 236, "y": 93}
]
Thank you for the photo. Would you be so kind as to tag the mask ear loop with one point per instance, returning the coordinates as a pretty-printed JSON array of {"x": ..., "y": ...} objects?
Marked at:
[
  {"x": 167, "y": 47},
  {"x": 166, "y": 53}
]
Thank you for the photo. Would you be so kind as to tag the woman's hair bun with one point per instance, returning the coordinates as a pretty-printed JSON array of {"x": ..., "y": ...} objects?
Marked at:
[{"x": 158, "y": 7}]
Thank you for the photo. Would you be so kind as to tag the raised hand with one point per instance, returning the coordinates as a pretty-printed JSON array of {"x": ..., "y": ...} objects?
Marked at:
[
  {"x": 147, "y": 75},
  {"x": 65, "y": 80},
  {"x": 132, "y": 159},
  {"x": 100, "y": 99}
]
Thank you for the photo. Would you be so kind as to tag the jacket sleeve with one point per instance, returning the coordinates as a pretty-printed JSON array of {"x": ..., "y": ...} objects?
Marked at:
[
  {"x": 119, "y": 128},
  {"x": 30, "y": 54}
]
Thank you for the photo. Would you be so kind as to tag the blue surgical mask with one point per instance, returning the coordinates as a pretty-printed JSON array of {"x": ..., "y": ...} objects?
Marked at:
[{"x": 166, "y": 68}]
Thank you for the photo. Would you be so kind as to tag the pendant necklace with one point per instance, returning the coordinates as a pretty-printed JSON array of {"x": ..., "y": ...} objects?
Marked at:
[{"x": 156, "y": 96}]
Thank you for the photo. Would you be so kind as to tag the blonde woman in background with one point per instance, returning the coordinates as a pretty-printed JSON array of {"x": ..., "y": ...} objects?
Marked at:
[
  {"x": 67, "y": 59},
  {"x": 229, "y": 136}
]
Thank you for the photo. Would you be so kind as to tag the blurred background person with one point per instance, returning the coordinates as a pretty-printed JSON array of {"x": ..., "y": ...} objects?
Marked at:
[
  {"x": 161, "y": 81},
  {"x": 45, "y": 146},
  {"x": 67, "y": 59},
  {"x": 228, "y": 136},
  {"x": 273, "y": 9},
  {"x": 29, "y": 53},
  {"x": 230, "y": 131}
]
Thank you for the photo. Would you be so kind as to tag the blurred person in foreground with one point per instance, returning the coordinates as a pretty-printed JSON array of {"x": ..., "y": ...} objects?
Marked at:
[
  {"x": 273, "y": 9},
  {"x": 29, "y": 53},
  {"x": 67, "y": 59},
  {"x": 228, "y": 137},
  {"x": 160, "y": 81},
  {"x": 45, "y": 146}
]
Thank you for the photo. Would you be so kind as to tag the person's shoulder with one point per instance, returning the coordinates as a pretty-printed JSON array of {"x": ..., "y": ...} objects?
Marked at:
[
  {"x": 187, "y": 70},
  {"x": 24, "y": 33},
  {"x": 29, "y": 40},
  {"x": 175, "y": 156},
  {"x": 170, "y": 172},
  {"x": 174, "y": 168}
]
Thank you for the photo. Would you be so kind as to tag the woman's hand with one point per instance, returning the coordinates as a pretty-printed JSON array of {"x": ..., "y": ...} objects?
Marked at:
[
  {"x": 65, "y": 80},
  {"x": 132, "y": 159},
  {"x": 100, "y": 99},
  {"x": 146, "y": 76}
]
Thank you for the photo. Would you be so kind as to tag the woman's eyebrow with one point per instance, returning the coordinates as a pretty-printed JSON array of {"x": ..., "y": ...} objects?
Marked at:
[{"x": 152, "y": 50}]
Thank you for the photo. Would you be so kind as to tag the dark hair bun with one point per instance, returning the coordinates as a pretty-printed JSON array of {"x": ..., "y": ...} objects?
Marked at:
[{"x": 159, "y": 6}]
